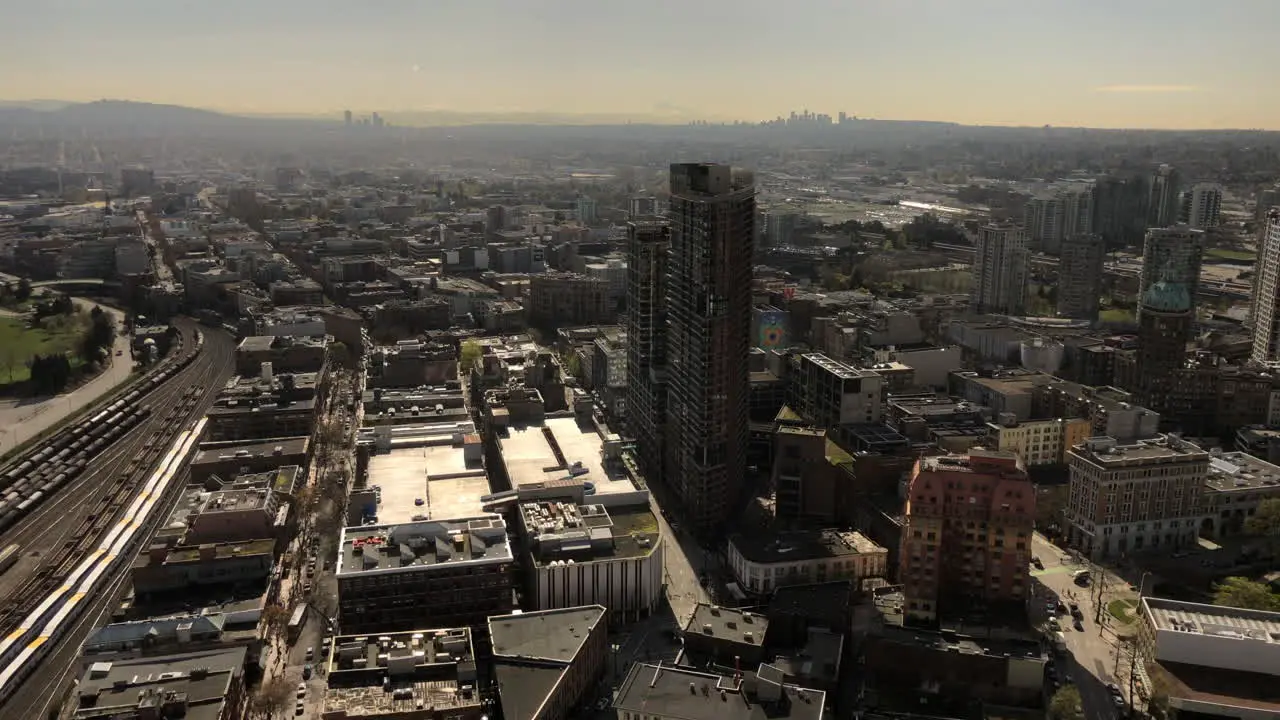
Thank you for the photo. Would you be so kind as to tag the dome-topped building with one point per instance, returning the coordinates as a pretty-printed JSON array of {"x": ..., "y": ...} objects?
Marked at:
[{"x": 1164, "y": 329}]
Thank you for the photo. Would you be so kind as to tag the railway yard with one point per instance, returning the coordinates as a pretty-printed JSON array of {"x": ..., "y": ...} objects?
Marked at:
[{"x": 80, "y": 506}]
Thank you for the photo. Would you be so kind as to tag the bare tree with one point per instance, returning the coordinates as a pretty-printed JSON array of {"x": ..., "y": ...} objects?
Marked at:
[{"x": 272, "y": 697}]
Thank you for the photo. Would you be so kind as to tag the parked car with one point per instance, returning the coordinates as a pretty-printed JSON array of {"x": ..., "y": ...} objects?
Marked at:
[
  {"x": 1036, "y": 562},
  {"x": 302, "y": 690}
]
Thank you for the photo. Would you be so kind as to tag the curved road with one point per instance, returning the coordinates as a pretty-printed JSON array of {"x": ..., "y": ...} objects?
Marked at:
[{"x": 21, "y": 419}]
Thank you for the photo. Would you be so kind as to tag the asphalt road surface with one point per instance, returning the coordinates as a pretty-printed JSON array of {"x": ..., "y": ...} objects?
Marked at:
[{"x": 1095, "y": 656}]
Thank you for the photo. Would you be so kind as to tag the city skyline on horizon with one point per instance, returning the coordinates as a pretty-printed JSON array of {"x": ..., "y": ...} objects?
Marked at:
[{"x": 925, "y": 60}]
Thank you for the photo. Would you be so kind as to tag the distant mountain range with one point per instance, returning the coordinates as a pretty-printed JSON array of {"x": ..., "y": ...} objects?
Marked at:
[
  {"x": 141, "y": 115},
  {"x": 125, "y": 114},
  {"x": 131, "y": 117}
]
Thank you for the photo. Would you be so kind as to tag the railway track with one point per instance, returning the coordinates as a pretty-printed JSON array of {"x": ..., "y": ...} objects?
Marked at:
[
  {"x": 44, "y": 470},
  {"x": 86, "y": 508}
]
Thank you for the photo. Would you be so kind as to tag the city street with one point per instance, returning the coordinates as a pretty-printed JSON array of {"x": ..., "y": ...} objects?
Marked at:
[
  {"x": 1095, "y": 656},
  {"x": 683, "y": 560}
]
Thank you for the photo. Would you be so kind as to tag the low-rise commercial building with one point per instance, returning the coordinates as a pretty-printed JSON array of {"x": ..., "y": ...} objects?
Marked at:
[
  {"x": 398, "y": 577},
  {"x": 206, "y": 685},
  {"x": 230, "y": 459},
  {"x": 415, "y": 405},
  {"x": 547, "y": 662},
  {"x": 662, "y": 692},
  {"x": 726, "y": 636},
  {"x": 174, "y": 634},
  {"x": 960, "y": 670},
  {"x": 283, "y": 353},
  {"x": 414, "y": 472},
  {"x": 592, "y": 555},
  {"x": 411, "y": 364},
  {"x": 763, "y": 563},
  {"x": 418, "y": 675},
  {"x": 170, "y": 570},
  {"x": 1236, "y": 484},
  {"x": 1212, "y": 661},
  {"x": 265, "y": 406}
]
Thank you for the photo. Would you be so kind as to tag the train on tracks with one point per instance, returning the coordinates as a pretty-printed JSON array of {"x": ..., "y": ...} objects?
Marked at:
[
  {"x": 42, "y": 471},
  {"x": 23, "y": 647},
  {"x": 9, "y": 556}
]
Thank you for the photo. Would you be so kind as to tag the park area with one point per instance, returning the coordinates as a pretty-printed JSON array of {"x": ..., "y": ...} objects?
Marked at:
[{"x": 19, "y": 342}]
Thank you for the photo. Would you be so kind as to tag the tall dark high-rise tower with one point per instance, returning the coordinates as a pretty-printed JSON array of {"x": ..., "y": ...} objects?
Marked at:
[
  {"x": 1080, "y": 276},
  {"x": 646, "y": 323},
  {"x": 1162, "y": 208},
  {"x": 712, "y": 217}
]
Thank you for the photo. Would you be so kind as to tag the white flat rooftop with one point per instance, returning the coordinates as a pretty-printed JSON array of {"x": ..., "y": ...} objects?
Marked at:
[
  {"x": 436, "y": 475},
  {"x": 530, "y": 459}
]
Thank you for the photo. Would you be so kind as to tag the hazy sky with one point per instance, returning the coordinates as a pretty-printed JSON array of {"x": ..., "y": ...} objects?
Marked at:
[{"x": 1149, "y": 63}]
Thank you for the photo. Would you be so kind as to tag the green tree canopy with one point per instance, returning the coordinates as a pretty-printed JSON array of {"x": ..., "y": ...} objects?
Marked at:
[
  {"x": 1241, "y": 592},
  {"x": 1066, "y": 704},
  {"x": 1265, "y": 521},
  {"x": 339, "y": 354},
  {"x": 471, "y": 352}
]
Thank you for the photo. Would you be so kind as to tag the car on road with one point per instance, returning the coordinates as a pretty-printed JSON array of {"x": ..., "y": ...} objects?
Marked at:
[
  {"x": 1035, "y": 560},
  {"x": 1079, "y": 624},
  {"x": 306, "y": 671},
  {"x": 1075, "y": 610},
  {"x": 1081, "y": 577},
  {"x": 311, "y": 653}
]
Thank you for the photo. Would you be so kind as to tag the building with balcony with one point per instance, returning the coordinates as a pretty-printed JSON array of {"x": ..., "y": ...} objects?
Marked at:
[{"x": 966, "y": 536}]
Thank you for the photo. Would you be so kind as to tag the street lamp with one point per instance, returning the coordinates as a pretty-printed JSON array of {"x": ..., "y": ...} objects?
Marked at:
[{"x": 1142, "y": 585}]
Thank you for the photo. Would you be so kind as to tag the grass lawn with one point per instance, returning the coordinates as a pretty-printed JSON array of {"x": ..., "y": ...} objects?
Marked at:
[
  {"x": 18, "y": 344},
  {"x": 1229, "y": 254},
  {"x": 950, "y": 282},
  {"x": 1122, "y": 610},
  {"x": 1117, "y": 315}
]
